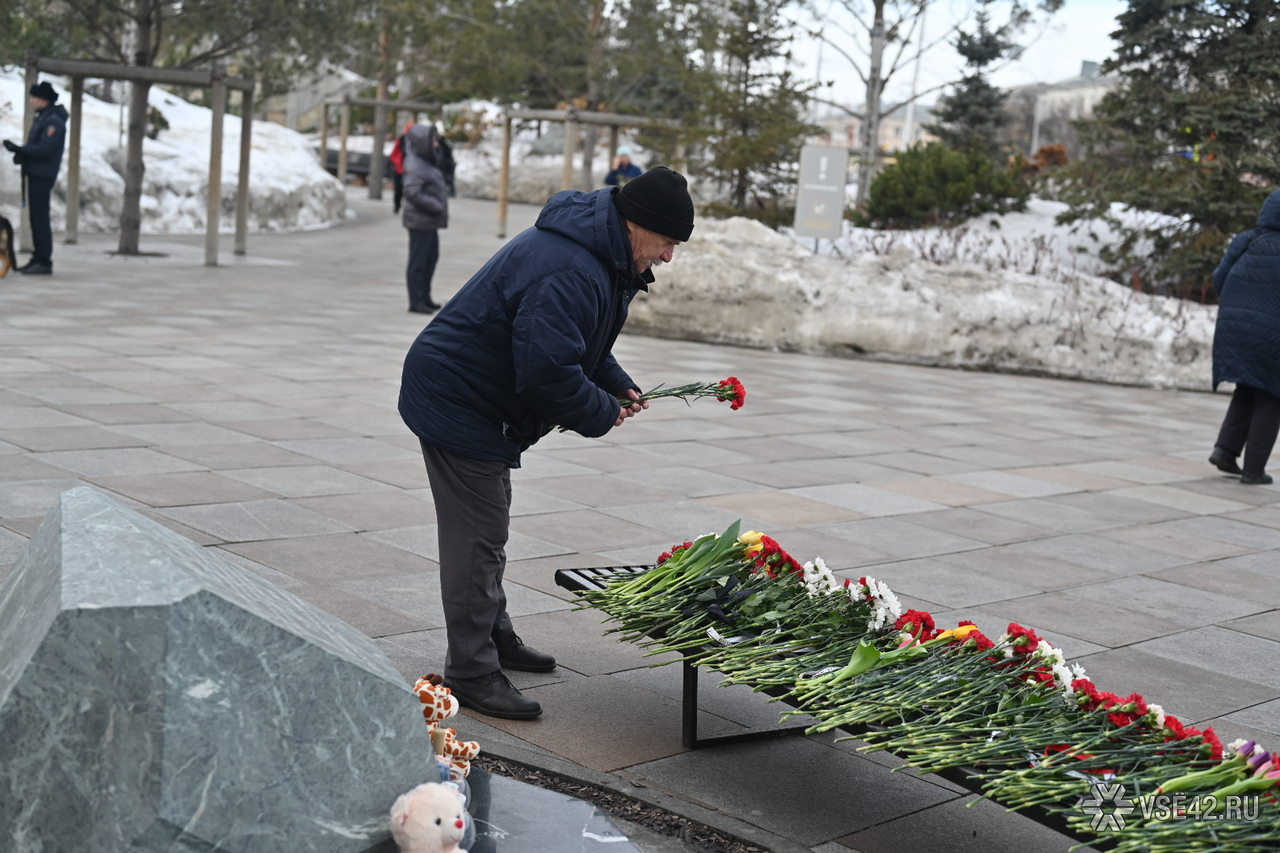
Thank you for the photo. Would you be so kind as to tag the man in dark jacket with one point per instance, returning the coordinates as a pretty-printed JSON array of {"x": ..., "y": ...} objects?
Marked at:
[
  {"x": 524, "y": 346},
  {"x": 426, "y": 211},
  {"x": 40, "y": 159},
  {"x": 1246, "y": 346}
]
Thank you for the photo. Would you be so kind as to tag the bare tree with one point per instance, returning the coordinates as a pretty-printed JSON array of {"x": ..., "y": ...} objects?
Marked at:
[{"x": 886, "y": 38}]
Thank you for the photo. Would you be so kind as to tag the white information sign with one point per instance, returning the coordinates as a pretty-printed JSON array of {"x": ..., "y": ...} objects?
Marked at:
[{"x": 820, "y": 195}]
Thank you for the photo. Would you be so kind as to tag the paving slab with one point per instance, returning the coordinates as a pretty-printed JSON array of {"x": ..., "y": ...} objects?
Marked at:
[{"x": 780, "y": 791}]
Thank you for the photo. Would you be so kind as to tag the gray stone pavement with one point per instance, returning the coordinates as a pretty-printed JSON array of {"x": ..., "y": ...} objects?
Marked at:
[{"x": 252, "y": 408}]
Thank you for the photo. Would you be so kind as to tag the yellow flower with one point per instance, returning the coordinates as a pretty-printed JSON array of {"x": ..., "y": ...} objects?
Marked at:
[
  {"x": 960, "y": 632},
  {"x": 752, "y": 538}
]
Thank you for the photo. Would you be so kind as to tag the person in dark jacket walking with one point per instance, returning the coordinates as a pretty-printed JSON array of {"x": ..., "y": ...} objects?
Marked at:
[
  {"x": 1246, "y": 346},
  {"x": 426, "y": 211},
  {"x": 526, "y": 345},
  {"x": 40, "y": 159}
]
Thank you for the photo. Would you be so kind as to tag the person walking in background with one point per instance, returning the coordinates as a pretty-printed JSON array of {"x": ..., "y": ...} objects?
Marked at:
[
  {"x": 40, "y": 159},
  {"x": 426, "y": 211},
  {"x": 397, "y": 168},
  {"x": 524, "y": 346},
  {"x": 623, "y": 169},
  {"x": 1246, "y": 346}
]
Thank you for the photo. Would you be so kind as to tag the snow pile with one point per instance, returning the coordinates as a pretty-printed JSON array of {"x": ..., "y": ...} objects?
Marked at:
[
  {"x": 1027, "y": 241},
  {"x": 738, "y": 282},
  {"x": 288, "y": 189}
]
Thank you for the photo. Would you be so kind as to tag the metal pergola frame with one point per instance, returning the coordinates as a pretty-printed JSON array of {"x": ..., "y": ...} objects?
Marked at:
[
  {"x": 571, "y": 118},
  {"x": 79, "y": 70}
]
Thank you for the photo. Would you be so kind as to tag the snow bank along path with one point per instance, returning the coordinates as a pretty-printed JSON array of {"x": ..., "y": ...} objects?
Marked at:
[
  {"x": 738, "y": 282},
  {"x": 288, "y": 190}
]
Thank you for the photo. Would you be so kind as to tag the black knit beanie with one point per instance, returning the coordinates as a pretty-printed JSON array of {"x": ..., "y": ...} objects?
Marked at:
[
  {"x": 658, "y": 200},
  {"x": 45, "y": 91}
]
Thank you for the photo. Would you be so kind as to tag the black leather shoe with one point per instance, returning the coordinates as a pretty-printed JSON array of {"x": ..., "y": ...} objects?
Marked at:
[
  {"x": 494, "y": 696},
  {"x": 434, "y": 306},
  {"x": 1258, "y": 480},
  {"x": 423, "y": 309},
  {"x": 1224, "y": 461},
  {"x": 514, "y": 654},
  {"x": 36, "y": 269}
]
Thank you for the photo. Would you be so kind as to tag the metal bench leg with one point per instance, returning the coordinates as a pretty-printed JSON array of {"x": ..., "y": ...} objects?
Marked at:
[{"x": 689, "y": 717}]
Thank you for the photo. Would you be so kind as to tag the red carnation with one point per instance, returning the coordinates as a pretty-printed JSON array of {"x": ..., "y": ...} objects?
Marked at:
[
  {"x": 1023, "y": 640},
  {"x": 1173, "y": 728},
  {"x": 922, "y": 624},
  {"x": 732, "y": 391},
  {"x": 1215, "y": 745}
]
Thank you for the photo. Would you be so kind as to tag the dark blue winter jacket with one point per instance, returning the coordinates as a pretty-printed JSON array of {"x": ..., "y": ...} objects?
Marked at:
[
  {"x": 42, "y": 155},
  {"x": 526, "y": 343},
  {"x": 1246, "y": 340}
]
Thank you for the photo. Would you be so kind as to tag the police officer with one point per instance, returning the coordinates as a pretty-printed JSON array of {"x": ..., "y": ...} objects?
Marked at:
[{"x": 40, "y": 160}]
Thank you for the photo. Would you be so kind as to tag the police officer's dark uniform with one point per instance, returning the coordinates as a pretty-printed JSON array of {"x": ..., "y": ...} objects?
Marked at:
[{"x": 40, "y": 159}]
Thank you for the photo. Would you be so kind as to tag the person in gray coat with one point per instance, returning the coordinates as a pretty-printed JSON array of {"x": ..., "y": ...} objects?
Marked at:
[{"x": 426, "y": 211}]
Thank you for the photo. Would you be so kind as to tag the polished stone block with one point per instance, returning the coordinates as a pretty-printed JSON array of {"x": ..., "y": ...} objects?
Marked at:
[
  {"x": 515, "y": 817},
  {"x": 156, "y": 697}
]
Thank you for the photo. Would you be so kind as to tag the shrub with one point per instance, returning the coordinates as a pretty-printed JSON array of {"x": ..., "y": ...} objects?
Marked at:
[{"x": 938, "y": 185}]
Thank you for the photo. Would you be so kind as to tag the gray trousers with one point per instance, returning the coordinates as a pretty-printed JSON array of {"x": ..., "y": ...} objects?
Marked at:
[{"x": 473, "y": 513}]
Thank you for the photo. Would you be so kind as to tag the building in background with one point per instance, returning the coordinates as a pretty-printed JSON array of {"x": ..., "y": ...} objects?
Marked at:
[
  {"x": 299, "y": 108},
  {"x": 843, "y": 129},
  {"x": 1044, "y": 112}
]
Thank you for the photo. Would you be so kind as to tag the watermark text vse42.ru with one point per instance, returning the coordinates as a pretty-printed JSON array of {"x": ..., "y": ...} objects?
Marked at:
[{"x": 1110, "y": 807}]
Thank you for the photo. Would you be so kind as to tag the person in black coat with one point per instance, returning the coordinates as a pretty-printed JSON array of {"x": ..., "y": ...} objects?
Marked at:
[
  {"x": 426, "y": 211},
  {"x": 1246, "y": 346},
  {"x": 40, "y": 159},
  {"x": 524, "y": 346}
]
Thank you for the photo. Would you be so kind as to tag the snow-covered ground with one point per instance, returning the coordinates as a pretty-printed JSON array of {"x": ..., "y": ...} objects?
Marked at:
[
  {"x": 738, "y": 282},
  {"x": 1029, "y": 241},
  {"x": 288, "y": 189}
]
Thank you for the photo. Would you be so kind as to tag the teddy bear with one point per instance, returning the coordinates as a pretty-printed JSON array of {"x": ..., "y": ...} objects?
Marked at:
[
  {"x": 438, "y": 705},
  {"x": 429, "y": 819}
]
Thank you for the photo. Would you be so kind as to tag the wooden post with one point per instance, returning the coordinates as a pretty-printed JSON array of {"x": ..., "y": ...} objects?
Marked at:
[
  {"x": 570, "y": 142},
  {"x": 25, "y": 243},
  {"x": 324, "y": 136},
  {"x": 342, "y": 151},
  {"x": 680, "y": 154},
  {"x": 242, "y": 189},
  {"x": 377, "y": 161},
  {"x": 504, "y": 178},
  {"x": 72, "y": 234},
  {"x": 214, "y": 214},
  {"x": 613, "y": 146}
]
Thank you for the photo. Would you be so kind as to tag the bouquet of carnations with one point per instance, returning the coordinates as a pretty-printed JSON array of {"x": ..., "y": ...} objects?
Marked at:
[{"x": 726, "y": 390}]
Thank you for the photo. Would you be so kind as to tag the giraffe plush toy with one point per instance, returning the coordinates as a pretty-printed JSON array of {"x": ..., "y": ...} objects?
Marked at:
[{"x": 439, "y": 705}]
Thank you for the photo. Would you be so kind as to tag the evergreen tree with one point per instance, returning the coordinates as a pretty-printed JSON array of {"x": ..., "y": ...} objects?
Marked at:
[
  {"x": 1193, "y": 133},
  {"x": 751, "y": 114},
  {"x": 973, "y": 115},
  {"x": 935, "y": 184}
]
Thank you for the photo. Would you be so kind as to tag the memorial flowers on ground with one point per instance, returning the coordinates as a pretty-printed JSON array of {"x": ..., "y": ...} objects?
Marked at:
[{"x": 1013, "y": 710}]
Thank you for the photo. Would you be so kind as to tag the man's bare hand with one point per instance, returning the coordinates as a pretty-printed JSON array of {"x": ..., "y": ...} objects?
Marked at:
[{"x": 632, "y": 410}]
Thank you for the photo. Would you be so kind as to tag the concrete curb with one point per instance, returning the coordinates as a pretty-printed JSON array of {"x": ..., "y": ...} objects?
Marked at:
[{"x": 713, "y": 818}]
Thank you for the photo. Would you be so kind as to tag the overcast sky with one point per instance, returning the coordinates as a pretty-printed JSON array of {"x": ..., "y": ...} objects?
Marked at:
[{"x": 1078, "y": 32}]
